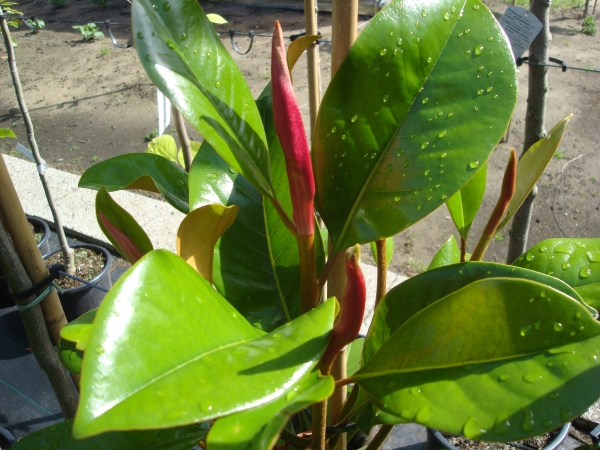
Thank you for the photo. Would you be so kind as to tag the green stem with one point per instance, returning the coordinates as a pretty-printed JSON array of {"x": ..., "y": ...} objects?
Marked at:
[
  {"x": 380, "y": 437},
  {"x": 319, "y": 425},
  {"x": 350, "y": 402},
  {"x": 381, "y": 270},
  {"x": 296, "y": 441},
  {"x": 326, "y": 271},
  {"x": 309, "y": 296}
]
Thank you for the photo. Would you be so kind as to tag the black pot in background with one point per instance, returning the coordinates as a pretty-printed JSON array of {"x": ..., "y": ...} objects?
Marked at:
[
  {"x": 83, "y": 298},
  {"x": 5, "y": 299},
  {"x": 435, "y": 440},
  {"x": 43, "y": 245},
  {"x": 7, "y": 440}
]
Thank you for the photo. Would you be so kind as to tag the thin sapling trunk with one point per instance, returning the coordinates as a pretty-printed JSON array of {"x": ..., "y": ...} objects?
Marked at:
[
  {"x": 534, "y": 121},
  {"x": 67, "y": 252}
]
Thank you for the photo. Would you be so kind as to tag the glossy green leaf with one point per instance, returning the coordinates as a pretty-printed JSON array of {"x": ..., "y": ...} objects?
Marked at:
[
  {"x": 440, "y": 94},
  {"x": 415, "y": 294},
  {"x": 353, "y": 353},
  {"x": 488, "y": 363},
  {"x": 185, "y": 58},
  {"x": 389, "y": 251},
  {"x": 590, "y": 294},
  {"x": 256, "y": 261},
  {"x": 140, "y": 171},
  {"x": 166, "y": 146},
  {"x": 449, "y": 253},
  {"x": 59, "y": 436},
  {"x": 70, "y": 356},
  {"x": 574, "y": 261},
  {"x": 258, "y": 428},
  {"x": 532, "y": 165},
  {"x": 121, "y": 229},
  {"x": 78, "y": 330},
  {"x": 463, "y": 205},
  {"x": 7, "y": 133},
  {"x": 167, "y": 350}
]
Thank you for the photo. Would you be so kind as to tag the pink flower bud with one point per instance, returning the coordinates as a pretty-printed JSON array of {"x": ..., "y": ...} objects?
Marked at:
[
  {"x": 290, "y": 130},
  {"x": 352, "y": 310}
]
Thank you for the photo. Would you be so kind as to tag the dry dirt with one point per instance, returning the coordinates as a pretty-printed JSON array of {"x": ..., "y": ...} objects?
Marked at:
[{"x": 92, "y": 101}]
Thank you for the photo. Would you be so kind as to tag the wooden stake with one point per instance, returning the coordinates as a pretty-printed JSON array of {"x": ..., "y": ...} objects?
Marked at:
[
  {"x": 312, "y": 54},
  {"x": 33, "y": 319},
  {"x": 344, "y": 26},
  {"x": 26, "y": 247}
]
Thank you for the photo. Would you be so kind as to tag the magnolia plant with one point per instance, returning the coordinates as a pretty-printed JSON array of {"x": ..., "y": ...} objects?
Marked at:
[{"x": 230, "y": 342}]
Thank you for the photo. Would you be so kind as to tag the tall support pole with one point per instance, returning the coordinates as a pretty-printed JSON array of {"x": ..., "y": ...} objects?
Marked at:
[
  {"x": 344, "y": 26},
  {"x": 17, "y": 227},
  {"x": 37, "y": 333},
  {"x": 535, "y": 120},
  {"x": 312, "y": 54}
]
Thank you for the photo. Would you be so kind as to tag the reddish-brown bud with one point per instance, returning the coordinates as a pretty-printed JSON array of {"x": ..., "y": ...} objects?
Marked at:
[
  {"x": 290, "y": 130},
  {"x": 352, "y": 310}
]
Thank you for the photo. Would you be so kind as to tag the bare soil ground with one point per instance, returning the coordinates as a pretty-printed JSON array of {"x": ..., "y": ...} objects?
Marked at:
[{"x": 93, "y": 101}]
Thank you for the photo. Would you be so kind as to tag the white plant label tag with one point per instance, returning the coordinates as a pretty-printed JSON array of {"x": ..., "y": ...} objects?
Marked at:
[{"x": 521, "y": 27}]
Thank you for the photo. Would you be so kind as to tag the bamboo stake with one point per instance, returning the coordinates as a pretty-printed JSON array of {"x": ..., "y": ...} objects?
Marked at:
[
  {"x": 33, "y": 318},
  {"x": 344, "y": 26},
  {"x": 26, "y": 247},
  {"x": 68, "y": 254},
  {"x": 312, "y": 54}
]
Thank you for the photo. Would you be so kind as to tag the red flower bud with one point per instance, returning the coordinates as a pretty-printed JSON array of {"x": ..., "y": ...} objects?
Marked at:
[
  {"x": 352, "y": 310},
  {"x": 290, "y": 130}
]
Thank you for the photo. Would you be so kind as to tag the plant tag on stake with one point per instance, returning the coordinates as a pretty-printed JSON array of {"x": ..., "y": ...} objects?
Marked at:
[
  {"x": 27, "y": 153},
  {"x": 521, "y": 27}
]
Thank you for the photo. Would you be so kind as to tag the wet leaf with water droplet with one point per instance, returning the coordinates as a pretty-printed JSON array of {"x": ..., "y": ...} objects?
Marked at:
[
  {"x": 406, "y": 113},
  {"x": 234, "y": 126},
  {"x": 571, "y": 263},
  {"x": 512, "y": 381}
]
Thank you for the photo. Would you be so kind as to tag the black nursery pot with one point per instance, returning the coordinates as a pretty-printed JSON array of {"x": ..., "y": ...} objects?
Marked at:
[
  {"x": 435, "y": 440},
  {"x": 7, "y": 440},
  {"x": 43, "y": 245},
  {"x": 5, "y": 298},
  {"x": 83, "y": 298}
]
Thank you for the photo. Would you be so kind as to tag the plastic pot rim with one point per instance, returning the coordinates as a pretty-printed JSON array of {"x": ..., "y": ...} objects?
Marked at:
[{"x": 553, "y": 445}]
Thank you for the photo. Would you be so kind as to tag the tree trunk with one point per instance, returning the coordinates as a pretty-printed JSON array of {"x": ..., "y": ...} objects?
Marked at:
[
  {"x": 33, "y": 318},
  {"x": 534, "y": 121}
]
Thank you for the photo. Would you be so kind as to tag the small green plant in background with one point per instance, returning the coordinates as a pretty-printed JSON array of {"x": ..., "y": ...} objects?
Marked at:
[
  {"x": 58, "y": 3},
  {"x": 153, "y": 134},
  {"x": 559, "y": 155},
  {"x": 589, "y": 26},
  {"x": 103, "y": 51},
  {"x": 89, "y": 32}
]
